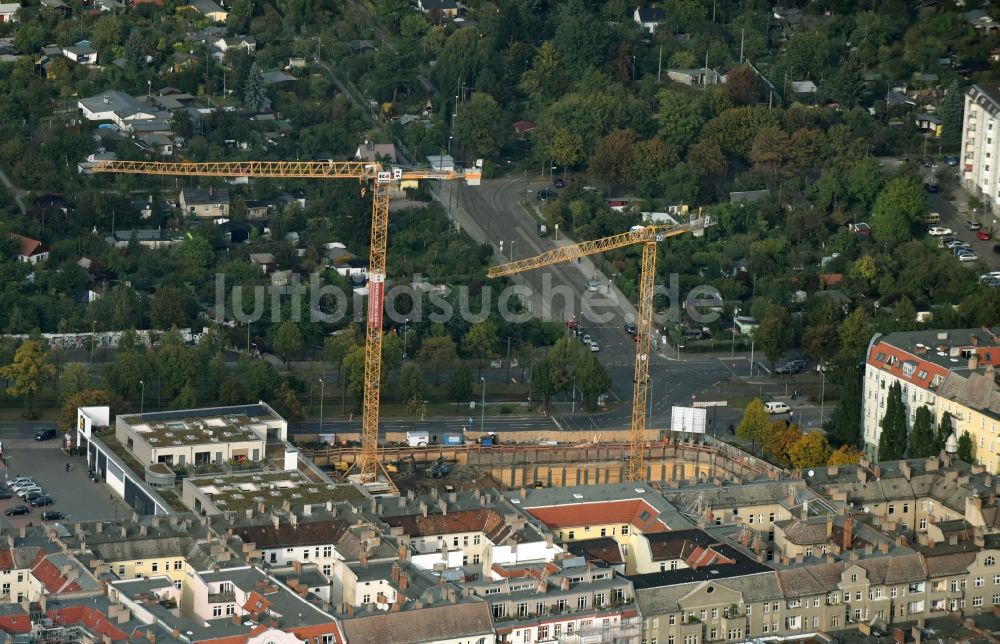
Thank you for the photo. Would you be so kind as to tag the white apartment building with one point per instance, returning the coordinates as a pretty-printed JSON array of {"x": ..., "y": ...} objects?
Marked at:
[
  {"x": 919, "y": 361},
  {"x": 980, "y": 158}
]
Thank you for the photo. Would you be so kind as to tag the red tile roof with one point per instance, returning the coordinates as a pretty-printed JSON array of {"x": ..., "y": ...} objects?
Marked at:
[
  {"x": 30, "y": 247},
  {"x": 6, "y": 559},
  {"x": 635, "y": 512},
  {"x": 49, "y": 576},
  {"x": 486, "y": 521},
  {"x": 92, "y": 618},
  {"x": 898, "y": 357},
  {"x": 15, "y": 624}
]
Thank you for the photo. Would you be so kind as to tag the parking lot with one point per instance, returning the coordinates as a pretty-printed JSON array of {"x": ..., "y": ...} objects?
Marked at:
[{"x": 73, "y": 493}]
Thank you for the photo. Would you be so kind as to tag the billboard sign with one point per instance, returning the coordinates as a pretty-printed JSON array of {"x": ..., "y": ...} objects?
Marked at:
[{"x": 689, "y": 420}]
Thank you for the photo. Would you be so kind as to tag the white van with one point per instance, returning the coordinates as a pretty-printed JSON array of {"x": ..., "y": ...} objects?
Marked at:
[
  {"x": 418, "y": 438},
  {"x": 777, "y": 408}
]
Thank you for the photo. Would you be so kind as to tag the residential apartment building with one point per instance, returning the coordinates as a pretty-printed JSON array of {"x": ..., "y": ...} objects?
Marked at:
[
  {"x": 566, "y": 600},
  {"x": 919, "y": 361},
  {"x": 973, "y": 402},
  {"x": 201, "y": 436},
  {"x": 980, "y": 153}
]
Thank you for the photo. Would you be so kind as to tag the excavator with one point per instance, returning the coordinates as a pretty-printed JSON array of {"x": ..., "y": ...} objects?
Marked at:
[{"x": 407, "y": 466}]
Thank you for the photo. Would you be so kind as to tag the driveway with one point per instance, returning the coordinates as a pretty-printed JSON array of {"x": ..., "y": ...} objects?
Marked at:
[{"x": 73, "y": 492}]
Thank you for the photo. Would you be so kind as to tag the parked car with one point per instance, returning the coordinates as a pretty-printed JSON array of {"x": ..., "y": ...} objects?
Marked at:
[
  {"x": 932, "y": 187},
  {"x": 775, "y": 407},
  {"x": 984, "y": 235},
  {"x": 630, "y": 329},
  {"x": 593, "y": 286},
  {"x": 41, "y": 501},
  {"x": 17, "y": 510},
  {"x": 24, "y": 491},
  {"x": 45, "y": 434},
  {"x": 594, "y": 346},
  {"x": 927, "y": 163},
  {"x": 938, "y": 231},
  {"x": 53, "y": 515},
  {"x": 951, "y": 160},
  {"x": 955, "y": 243},
  {"x": 973, "y": 225},
  {"x": 32, "y": 495},
  {"x": 6, "y": 494},
  {"x": 586, "y": 339},
  {"x": 558, "y": 183},
  {"x": 11, "y": 482},
  {"x": 967, "y": 257},
  {"x": 17, "y": 487},
  {"x": 546, "y": 194}
]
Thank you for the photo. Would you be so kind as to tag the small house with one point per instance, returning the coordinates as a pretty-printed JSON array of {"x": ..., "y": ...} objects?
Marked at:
[
  {"x": 30, "y": 251},
  {"x": 371, "y": 151},
  {"x": 210, "y": 10},
  {"x": 447, "y": 8},
  {"x": 206, "y": 203},
  {"x": 442, "y": 162},
  {"x": 649, "y": 18},
  {"x": 265, "y": 261},
  {"x": 8, "y": 11}
]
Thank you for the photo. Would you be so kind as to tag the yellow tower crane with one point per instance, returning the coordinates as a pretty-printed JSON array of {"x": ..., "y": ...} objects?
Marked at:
[
  {"x": 648, "y": 236},
  {"x": 367, "y": 173}
]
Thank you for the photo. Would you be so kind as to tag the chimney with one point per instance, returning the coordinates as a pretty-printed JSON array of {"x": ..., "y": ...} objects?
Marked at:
[
  {"x": 862, "y": 476},
  {"x": 236, "y": 619},
  {"x": 275, "y": 520},
  {"x": 974, "y": 339},
  {"x": 904, "y": 468},
  {"x": 99, "y": 527},
  {"x": 363, "y": 559},
  {"x": 524, "y": 493},
  {"x": 151, "y": 636},
  {"x": 142, "y": 530},
  {"x": 403, "y": 552},
  {"x": 848, "y": 536},
  {"x": 973, "y": 360},
  {"x": 423, "y": 509},
  {"x": 404, "y": 581},
  {"x": 124, "y": 614},
  {"x": 176, "y": 633},
  {"x": 829, "y": 527},
  {"x": 443, "y": 506},
  {"x": 395, "y": 572},
  {"x": 297, "y": 565}
]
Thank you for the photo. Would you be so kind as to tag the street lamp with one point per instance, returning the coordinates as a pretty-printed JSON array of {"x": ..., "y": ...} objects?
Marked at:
[
  {"x": 822, "y": 394},
  {"x": 142, "y": 396},
  {"x": 557, "y": 232},
  {"x": 512, "y": 242},
  {"x": 93, "y": 338},
  {"x": 679, "y": 347},
  {"x": 449, "y": 144},
  {"x": 406, "y": 328},
  {"x": 482, "y": 408},
  {"x": 322, "y": 388}
]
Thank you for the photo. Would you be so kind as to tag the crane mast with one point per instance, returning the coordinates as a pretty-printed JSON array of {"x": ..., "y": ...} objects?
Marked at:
[
  {"x": 369, "y": 464},
  {"x": 648, "y": 236}
]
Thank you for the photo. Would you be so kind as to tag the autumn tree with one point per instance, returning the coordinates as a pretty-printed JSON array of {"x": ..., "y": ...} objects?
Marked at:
[
  {"x": 26, "y": 373},
  {"x": 742, "y": 86},
  {"x": 611, "y": 156},
  {"x": 754, "y": 421},
  {"x": 812, "y": 450},
  {"x": 845, "y": 455},
  {"x": 778, "y": 438}
]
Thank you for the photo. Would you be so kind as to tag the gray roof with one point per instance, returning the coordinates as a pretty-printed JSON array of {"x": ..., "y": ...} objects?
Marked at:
[
  {"x": 978, "y": 391},
  {"x": 111, "y": 100},
  {"x": 663, "y": 600},
  {"x": 199, "y": 196},
  {"x": 138, "y": 549},
  {"x": 470, "y": 619},
  {"x": 749, "y": 196},
  {"x": 206, "y": 6}
]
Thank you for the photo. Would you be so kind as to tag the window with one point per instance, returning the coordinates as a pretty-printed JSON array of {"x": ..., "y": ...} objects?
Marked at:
[
  {"x": 475, "y": 539},
  {"x": 690, "y": 639},
  {"x": 977, "y": 601},
  {"x": 522, "y": 609},
  {"x": 854, "y": 577},
  {"x": 178, "y": 564},
  {"x": 216, "y": 611},
  {"x": 857, "y": 596},
  {"x": 366, "y": 599},
  {"x": 715, "y": 613},
  {"x": 581, "y": 602},
  {"x": 475, "y": 559},
  {"x": 598, "y": 600},
  {"x": 327, "y": 570},
  {"x": 543, "y": 632},
  {"x": 989, "y": 560},
  {"x": 328, "y": 551},
  {"x": 156, "y": 566},
  {"x": 230, "y": 609},
  {"x": 702, "y": 615},
  {"x": 892, "y": 509},
  {"x": 572, "y": 535},
  {"x": 671, "y": 620},
  {"x": 767, "y": 607},
  {"x": 500, "y": 610},
  {"x": 625, "y": 529},
  {"x": 978, "y": 582},
  {"x": 177, "y": 585},
  {"x": 996, "y": 600},
  {"x": 923, "y": 524},
  {"x": 892, "y": 592}
]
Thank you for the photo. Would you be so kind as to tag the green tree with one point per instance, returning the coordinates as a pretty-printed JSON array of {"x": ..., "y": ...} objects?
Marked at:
[
  {"x": 592, "y": 379},
  {"x": 173, "y": 359},
  {"x": 921, "y": 443},
  {"x": 411, "y": 382},
  {"x": 172, "y": 307},
  {"x": 848, "y": 84},
  {"x": 966, "y": 448},
  {"x": 812, "y": 450},
  {"x": 437, "y": 353},
  {"x": 774, "y": 335},
  {"x": 26, "y": 374},
  {"x": 950, "y": 111},
  {"x": 481, "y": 342},
  {"x": 460, "y": 384},
  {"x": 944, "y": 431},
  {"x": 339, "y": 344},
  {"x": 288, "y": 340},
  {"x": 107, "y": 35},
  {"x": 897, "y": 211},
  {"x": 29, "y": 37},
  {"x": 845, "y": 425},
  {"x": 392, "y": 351},
  {"x": 754, "y": 421},
  {"x": 74, "y": 379},
  {"x": 681, "y": 117},
  {"x": 610, "y": 159},
  {"x": 855, "y": 333},
  {"x": 806, "y": 53},
  {"x": 546, "y": 76},
  {"x": 287, "y": 403},
  {"x": 354, "y": 374},
  {"x": 892, "y": 442},
  {"x": 481, "y": 125},
  {"x": 254, "y": 91},
  {"x": 582, "y": 39},
  {"x": 187, "y": 397}
]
